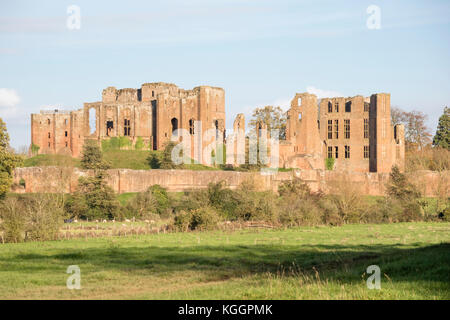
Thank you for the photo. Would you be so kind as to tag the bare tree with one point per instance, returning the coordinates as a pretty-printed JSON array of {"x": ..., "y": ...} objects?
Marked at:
[{"x": 417, "y": 134}]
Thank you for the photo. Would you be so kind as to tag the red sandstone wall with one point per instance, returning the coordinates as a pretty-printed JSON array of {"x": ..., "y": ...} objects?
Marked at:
[{"x": 51, "y": 179}]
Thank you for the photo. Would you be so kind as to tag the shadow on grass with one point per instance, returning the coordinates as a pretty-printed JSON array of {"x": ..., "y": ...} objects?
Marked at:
[{"x": 346, "y": 263}]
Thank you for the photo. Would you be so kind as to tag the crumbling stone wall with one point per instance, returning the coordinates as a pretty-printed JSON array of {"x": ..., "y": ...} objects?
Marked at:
[
  {"x": 150, "y": 113},
  {"x": 57, "y": 179},
  {"x": 356, "y": 132}
]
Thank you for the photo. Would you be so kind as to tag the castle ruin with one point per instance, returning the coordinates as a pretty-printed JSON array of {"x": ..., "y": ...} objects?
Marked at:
[
  {"x": 150, "y": 113},
  {"x": 355, "y": 132}
]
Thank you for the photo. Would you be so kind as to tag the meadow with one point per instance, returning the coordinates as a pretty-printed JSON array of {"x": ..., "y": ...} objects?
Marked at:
[{"x": 320, "y": 262}]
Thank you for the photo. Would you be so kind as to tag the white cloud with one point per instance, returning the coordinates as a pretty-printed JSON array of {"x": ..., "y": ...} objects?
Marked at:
[
  {"x": 320, "y": 93},
  {"x": 8, "y": 98}
]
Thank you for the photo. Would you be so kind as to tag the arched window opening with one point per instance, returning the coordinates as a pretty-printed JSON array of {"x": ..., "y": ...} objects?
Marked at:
[
  {"x": 174, "y": 123},
  {"x": 216, "y": 124},
  {"x": 348, "y": 106},
  {"x": 109, "y": 127},
  {"x": 92, "y": 121}
]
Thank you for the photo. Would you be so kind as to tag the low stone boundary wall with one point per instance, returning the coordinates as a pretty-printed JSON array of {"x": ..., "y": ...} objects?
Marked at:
[{"x": 55, "y": 179}]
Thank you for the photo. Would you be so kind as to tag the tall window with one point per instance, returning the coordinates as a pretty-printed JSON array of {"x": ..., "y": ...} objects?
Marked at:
[
  {"x": 347, "y": 152},
  {"x": 126, "y": 128},
  {"x": 191, "y": 126},
  {"x": 330, "y": 106},
  {"x": 336, "y": 106},
  {"x": 336, "y": 129},
  {"x": 366, "y": 152},
  {"x": 49, "y": 135},
  {"x": 336, "y": 152},
  {"x": 366, "y": 128},
  {"x": 366, "y": 106},
  {"x": 65, "y": 133},
  {"x": 330, "y": 152},
  {"x": 347, "y": 128},
  {"x": 330, "y": 129},
  {"x": 348, "y": 106}
]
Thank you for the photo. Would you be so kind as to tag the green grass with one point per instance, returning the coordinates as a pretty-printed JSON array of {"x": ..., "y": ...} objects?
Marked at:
[
  {"x": 51, "y": 160},
  {"x": 128, "y": 159},
  {"x": 298, "y": 263},
  {"x": 125, "y": 197},
  {"x": 119, "y": 159}
]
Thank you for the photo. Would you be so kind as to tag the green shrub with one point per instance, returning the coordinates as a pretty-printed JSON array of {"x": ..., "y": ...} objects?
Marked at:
[
  {"x": 330, "y": 212},
  {"x": 405, "y": 194},
  {"x": 124, "y": 142},
  {"x": 154, "y": 159},
  {"x": 191, "y": 200},
  {"x": 31, "y": 217},
  {"x": 329, "y": 163},
  {"x": 295, "y": 187},
  {"x": 14, "y": 221},
  {"x": 46, "y": 215},
  {"x": 143, "y": 206},
  {"x": 398, "y": 186},
  {"x": 34, "y": 149},
  {"x": 92, "y": 157},
  {"x": 445, "y": 214},
  {"x": 94, "y": 199},
  {"x": 182, "y": 220},
  {"x": 161, "y": 197},
  {"x": 112, "y": 143},
  {"x": 296, "y": 212},
  {"x": 205, "y": 218},
  {"x": 139, "y": 145}
]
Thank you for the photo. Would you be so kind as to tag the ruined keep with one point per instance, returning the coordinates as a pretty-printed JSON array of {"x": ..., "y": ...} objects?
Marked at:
[
  {"x": 355, "y": 132},
  {"x": 150, "y": 113}
]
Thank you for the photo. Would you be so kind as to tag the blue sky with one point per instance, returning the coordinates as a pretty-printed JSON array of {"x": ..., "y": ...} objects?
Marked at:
[{"x": 261, "y": 52}]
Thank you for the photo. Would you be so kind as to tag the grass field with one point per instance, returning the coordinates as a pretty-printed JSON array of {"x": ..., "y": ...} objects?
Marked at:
[
  {"x": 298, "y": 263},
  {"x": 119, "y": 159}
]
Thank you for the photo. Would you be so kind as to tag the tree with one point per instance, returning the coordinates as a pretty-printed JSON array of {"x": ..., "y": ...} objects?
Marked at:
[
  {"x": 273, "y": 118},
  {"x": 417, "y": 134},
  {"x": 94, "y": 198},
  {"x": 8, "y": 161},
  {"x": 400, "y": 188},
  {"x": 397, "y": 116},
  {"x": 92, "y": 157},
  {"x": 442, "y": 137},
  {"x": 163, "y": 160},
  {"x": 4, "y": 136}
]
